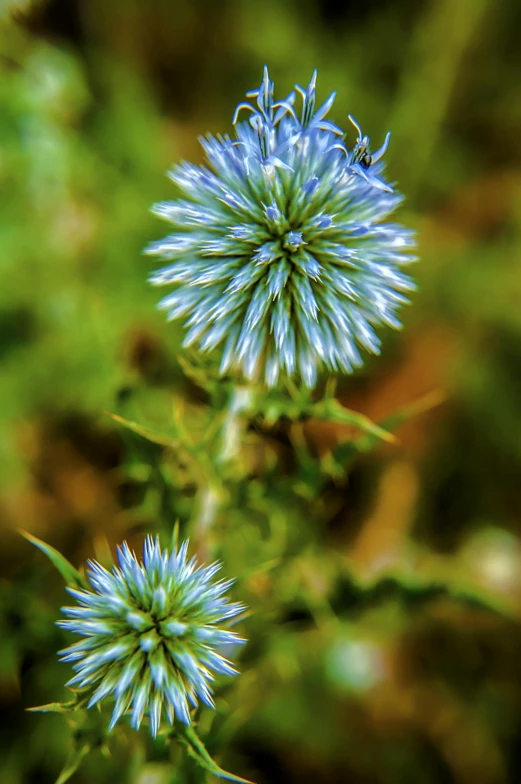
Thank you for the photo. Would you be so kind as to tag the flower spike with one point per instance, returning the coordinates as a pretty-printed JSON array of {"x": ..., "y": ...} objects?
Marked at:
[
  {"x": 281, "y": 254},
  {"x": 362, "y": 159},
  {"x": 150, "y": 632},
  {"x": 382, "y": 150}
]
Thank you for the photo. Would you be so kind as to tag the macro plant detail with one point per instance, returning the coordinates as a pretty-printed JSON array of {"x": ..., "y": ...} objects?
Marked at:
[
  {"x": 281, "y": 254},
  {"x": 366, "y": 507},
  {"x": 150, "y": 633},
  {"x": 283, "y": 259}
]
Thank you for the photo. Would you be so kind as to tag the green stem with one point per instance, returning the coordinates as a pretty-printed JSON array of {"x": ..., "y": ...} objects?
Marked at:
[
  {"x": 232, "y": 429},
  {"x": 212, "y": 497}
]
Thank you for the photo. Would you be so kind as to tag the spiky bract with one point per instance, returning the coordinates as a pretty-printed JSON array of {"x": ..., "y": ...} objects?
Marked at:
[
  {"x": 279, "y": 253},
  {"x": 149, "y": 632}
]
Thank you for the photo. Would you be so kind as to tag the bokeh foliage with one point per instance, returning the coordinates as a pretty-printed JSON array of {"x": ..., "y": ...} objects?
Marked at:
[{"x": 384, "y": 583}]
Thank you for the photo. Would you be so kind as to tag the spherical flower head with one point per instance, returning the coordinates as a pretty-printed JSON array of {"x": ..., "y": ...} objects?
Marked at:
[
  {"x": 149, "y": 633},
  {"x": 280, "y": 254}
]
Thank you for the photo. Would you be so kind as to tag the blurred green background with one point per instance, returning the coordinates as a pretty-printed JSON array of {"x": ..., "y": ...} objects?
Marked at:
[{"x": 385, "y": 643}]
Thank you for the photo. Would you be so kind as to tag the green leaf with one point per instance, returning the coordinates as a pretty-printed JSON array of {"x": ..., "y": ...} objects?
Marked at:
[
  {"x": 55, "y": 707},
  {"x": 69, "y": 573},
  {"x": 188, "y": 737},
  {"x": 144, "y": 432},
  {"x": 74, "y": 761},
  {"x": 344, "y": 454},
  {"x": 333, "y": 411},
  {"x": 419, "y": 406},
  {"x": 274, "y": 405},
  {"x": 79, "y": 702}
]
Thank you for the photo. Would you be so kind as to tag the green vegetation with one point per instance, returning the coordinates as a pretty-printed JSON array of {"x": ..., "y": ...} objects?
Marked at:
[{"x": 382, "y": 574}]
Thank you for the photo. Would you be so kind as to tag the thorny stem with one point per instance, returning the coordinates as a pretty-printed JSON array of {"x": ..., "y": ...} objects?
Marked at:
[{"x": 211, "y": 497}]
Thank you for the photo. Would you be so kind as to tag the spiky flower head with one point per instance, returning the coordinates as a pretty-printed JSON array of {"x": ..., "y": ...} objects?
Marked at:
[
  {"x": 149, "y": 633},
  {"x": 280, "y": 253}
]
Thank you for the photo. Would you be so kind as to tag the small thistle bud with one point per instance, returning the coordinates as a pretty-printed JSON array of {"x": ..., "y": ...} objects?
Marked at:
[
  {"x": 280, "y": 254},
  {"x": 150, "y": 632}
]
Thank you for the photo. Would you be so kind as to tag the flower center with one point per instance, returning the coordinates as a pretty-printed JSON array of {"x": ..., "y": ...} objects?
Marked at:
[{"x": 292, "y": 241}]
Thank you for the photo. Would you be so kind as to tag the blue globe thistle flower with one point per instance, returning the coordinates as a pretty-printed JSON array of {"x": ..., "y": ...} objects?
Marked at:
[
  {"x": 280, "y": 253},
  {"x": 149, "y": 634}
]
